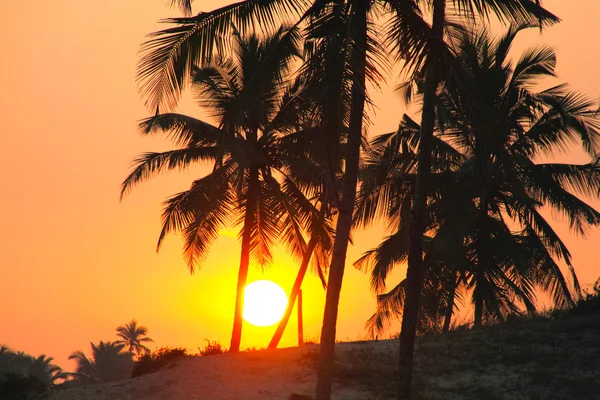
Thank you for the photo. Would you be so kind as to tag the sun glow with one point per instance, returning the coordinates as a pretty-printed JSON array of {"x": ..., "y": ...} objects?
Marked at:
[{"x": 264, "y": 303}]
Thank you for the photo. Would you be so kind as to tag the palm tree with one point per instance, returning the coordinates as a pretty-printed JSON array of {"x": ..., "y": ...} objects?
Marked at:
[
  {"x": 170, "y": 55},
  {"x": 45, "y": 371},
  {"x": 108, "y": 363},
  {"x": 387, "y": 191},
  {"x": 504, "y": 143},
  {"x": 21, "y": 364},
  {"x": 521, "y": 126},
  {"x": 133, "y": 336},
  {"x": 252, "y": 98},
  {"x": 438, "y": 63}
]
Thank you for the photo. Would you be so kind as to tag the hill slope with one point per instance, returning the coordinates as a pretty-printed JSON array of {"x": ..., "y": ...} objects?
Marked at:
[{"x": 531, "y": 359}]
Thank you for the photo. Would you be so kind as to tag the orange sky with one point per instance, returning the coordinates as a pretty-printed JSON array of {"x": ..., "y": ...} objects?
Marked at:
[{"x": 74, "y": 262}]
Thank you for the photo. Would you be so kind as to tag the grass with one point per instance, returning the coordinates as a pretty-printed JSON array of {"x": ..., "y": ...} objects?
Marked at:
[{"x": 556, "y": 357}]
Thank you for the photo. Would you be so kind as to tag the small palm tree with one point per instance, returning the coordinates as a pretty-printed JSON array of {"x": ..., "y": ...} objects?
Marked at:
[
  {"x": 45, "y": 371},
  {"x": 108, "y": 363},
  {"x": 133, "y": 336},
  {"x": 41, "y": 368}
]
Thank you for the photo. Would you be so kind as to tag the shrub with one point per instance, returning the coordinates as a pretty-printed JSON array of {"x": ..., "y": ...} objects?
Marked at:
[
  {"x": 590, "y": 303},
  {"x": 156, "y": 360},
  {"x": 212, "y": 348}
]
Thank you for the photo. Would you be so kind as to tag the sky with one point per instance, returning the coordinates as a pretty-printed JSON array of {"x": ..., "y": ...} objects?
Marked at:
[{"x": 75, "y": 262}]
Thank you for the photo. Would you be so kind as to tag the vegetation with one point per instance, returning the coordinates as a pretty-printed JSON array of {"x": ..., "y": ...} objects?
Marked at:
[
  {"x": 212, "y": 348},
  {"x": 132, "y": 336},
  {"x": 251, "y": 96},
  {"x": 546, "y": 356},
  {"x": 108, "y": 362},
  {"x": 159, "y": 358},
  {"x": 23, "y": 375},
  {"x": 113, "y": 361},
  {"x": 463, "y": 188},
  {"x": 493, "y": 159}
]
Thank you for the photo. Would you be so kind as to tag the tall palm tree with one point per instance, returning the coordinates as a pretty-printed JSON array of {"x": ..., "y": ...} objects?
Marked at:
[
  {"x": 300, "y": 161},
  {"x": 255, "y": 104},
  {"x": 108, "y": 363},
  {"x": 504, "y": 173},
  {"x": 437, "y": 64},
  {"x": 170, "y": 55},
  {"x": 521, "y": 126},
  {"x": 133, "y": 336},
  {"x": 387, "y": 191}
]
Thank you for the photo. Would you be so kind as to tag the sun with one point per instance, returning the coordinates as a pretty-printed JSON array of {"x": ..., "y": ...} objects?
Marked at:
[{"x": 264, "y": 303}]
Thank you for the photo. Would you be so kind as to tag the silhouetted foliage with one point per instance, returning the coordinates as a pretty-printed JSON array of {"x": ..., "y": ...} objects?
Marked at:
[
  {"x": 23, "y": 375},
  {"x": 589, "y": 303},
  {"x": 159, "y": 358},
  {"x": 108, "y": 363},
  {"x": 133, "y": 335},
  {"x": 211, "y": 348}
]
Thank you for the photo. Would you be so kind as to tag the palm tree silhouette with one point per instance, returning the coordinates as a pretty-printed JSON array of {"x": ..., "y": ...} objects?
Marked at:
[
  {"x": 521, "y": 126},
  {"x": 108, "y": 363},
  {"x": 45, "y": 371},
  {"x": 255, "y": 105},
  {"x": 133, "y": 335},
  {"x": 170, "y": 55},
  {"x": 22, "y": 364},
  {"x": 504, "y": 142}
]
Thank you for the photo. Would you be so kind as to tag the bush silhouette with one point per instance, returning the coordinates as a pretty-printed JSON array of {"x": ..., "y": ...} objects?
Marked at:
[{"x": 156, "y": 360}]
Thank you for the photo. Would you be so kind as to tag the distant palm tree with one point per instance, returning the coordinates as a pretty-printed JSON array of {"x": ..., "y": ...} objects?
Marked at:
[
  {"x": 41, "y": 368},
  {"x": 133, "y": 335},
  {"x": 108, "y": 363},
  {"x": 255, "y": 104}
]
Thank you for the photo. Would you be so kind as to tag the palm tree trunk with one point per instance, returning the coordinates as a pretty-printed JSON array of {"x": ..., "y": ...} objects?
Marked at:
[
  {"x": 415, "y": 273},
  {"x": 346, "y": 208},
  {"x": 300, "y": 321},
  {"x": 294, "y": 293},
  {"x": 450, "y": 307},
  {"x": 236, "y": 335},
  {"x": 483, "y": 259}
]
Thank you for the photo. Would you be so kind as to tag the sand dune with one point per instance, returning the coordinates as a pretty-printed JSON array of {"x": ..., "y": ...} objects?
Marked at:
[{"x": 255, "y": 375}]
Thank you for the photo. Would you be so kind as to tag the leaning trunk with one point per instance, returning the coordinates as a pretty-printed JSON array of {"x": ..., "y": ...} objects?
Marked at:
[
  {"x": 346, "y": 208},
  {"x": 236, "y": 335},
  {"x": 415, "y": 273},
  {"x": 294, "y": 293}
]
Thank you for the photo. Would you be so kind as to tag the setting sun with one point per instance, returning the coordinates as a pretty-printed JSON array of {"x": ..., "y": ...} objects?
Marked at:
[{"x": 264, "y": 303}]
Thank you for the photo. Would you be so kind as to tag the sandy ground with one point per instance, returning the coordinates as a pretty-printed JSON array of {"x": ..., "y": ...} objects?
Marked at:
[{"x": 264, "y": 375}]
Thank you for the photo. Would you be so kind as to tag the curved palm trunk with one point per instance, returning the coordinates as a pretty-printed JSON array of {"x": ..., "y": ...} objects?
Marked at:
[
  {"x": 236, "y": 335},
  {"x": 415, "y": 273},
  {"x": 294, "y": 293},
  {"x": 346, "y": 208}
]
